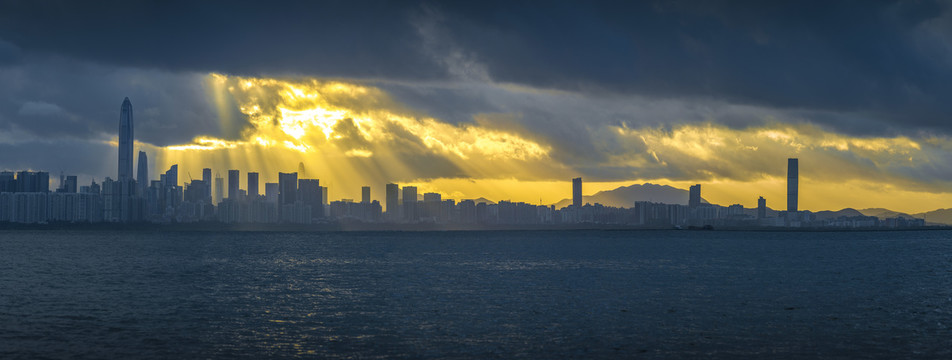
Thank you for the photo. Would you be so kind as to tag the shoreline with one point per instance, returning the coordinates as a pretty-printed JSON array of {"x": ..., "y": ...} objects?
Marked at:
[{"x": 391, "y": 227}]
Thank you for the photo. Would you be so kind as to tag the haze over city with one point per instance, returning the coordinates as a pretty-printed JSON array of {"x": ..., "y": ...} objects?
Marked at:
[{"x": 471, "y": 101}]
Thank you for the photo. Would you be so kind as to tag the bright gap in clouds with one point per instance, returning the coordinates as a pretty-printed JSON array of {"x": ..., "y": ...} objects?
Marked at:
[{"x": 350, "y": 135}]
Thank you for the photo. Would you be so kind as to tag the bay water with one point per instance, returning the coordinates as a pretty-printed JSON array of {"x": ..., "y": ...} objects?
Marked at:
[{"x": 479, "y": 294}]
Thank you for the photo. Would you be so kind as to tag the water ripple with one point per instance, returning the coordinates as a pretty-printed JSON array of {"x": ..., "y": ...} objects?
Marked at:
[{"x": 595, "y": 294}]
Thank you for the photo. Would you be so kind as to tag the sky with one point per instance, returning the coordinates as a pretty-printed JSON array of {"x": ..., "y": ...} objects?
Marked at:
[{"x": 496, "y": 99}]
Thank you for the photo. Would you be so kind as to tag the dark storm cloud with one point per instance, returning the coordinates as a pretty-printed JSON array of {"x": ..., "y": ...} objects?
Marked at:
[
  {"x": 9, "y": 53},
  {"x": 88, "y": 160},
  {"x": 880, "y": 58},
  {"x": 58, "y": 98},
  {"x": 327, "y": 38},
  {"x": 887, "y": 60}
]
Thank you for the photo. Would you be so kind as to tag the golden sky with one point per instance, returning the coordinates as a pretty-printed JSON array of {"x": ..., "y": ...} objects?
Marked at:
[{"x": 350, "y": 134}]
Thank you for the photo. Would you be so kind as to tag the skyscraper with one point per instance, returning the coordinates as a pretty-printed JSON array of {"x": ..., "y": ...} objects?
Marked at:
[
  {"x": 142, "y": 173},
  {"x": 271, "y": 192},
  {"x": 322, "y": 211},
  {"x": 577, "y": 192},
  {"x": 8, "y": 182},
  {"x": 393, "y": 201},
  {"x": 287, "y": 184},
  {"x": 431, "y": 205},
  {"x": 365, "y": 194},
  {"x": 252, "y": 184},
  {"x": 70, "y": 185},
  {"x": 219, "y": 188},
  {"x": 793, "y": 172},
  {"x": 694, "y": 196},
  {"x": 310, "y": 194},
  {"x": 761, "y": 208},
  {"x": 126, "y": 180},
  {"x": 409, "y": 203},
  {"x": 233, "y": 184},
  {"x": 207, "y": 179},
  {"x": 125, "y": 140},
  {"x": 29, "y": 181},
  {"x": 171, "y": 176}
]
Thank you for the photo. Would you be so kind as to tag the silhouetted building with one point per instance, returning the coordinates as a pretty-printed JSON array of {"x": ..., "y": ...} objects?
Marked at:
[
  {"x": 194, "y": 191},
  {"x": 8, "y": 182},
  {"x": 309, "y": 192},
  {"x": 69, "y": 186},
  {"x": 119, "y": 202},
  {"x": 734, "y": 211},
  {"x": 365, "y": 194},
  {"x": 287, "y": 183},
  {"x": 126, "y": 140},
  {"x": 207, "y": 179},
  {"x": 94, "y": 188},
  {"x": 142, "y": 173},
  {"x": 761, "y": 208},
  {"x": 219, "y": 188},
  {"x": 410, "y": 203},
  {"x": 577, "y": 192},
  {"x": 792, "y": 184},
  {"x": 252, "y": 184},
  {"x": 392, "y": 202},
  {"x": 171, "y": 176},
  {"x": 658, "y": 214},
  {"x": 233, "y": 176},
  {"x": 694, "y": 196},
  {"x": 467, "y": 211},
  {"x": 271, "y": 191},
  {"x": 431, "y": 205},
  {"x": 29, "y": 181}
]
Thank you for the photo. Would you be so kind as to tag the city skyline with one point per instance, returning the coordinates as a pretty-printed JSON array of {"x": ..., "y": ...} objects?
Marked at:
[
  {"x": 668, "y": 93},
  {"x": 126, "y": 135},
  {"x": 25, "y": 197},
  {"x": 126, "y": 129}
]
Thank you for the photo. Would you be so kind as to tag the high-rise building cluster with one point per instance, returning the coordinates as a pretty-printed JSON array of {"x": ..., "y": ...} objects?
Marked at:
[{"x": 25, "y": 197}]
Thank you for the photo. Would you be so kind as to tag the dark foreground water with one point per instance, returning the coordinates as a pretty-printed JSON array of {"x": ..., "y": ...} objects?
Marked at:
[{"x": 577, "y": 294}]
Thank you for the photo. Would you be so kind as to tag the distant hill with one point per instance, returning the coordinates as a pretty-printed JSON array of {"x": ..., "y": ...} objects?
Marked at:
[
  {"x": 827, "y": 214},
  {"x": 886, "y": 213},
  {"x": 626, "y": 196},
  {"x": 483, "y": 200},
  {"x": 939, "y": 216},
  {"x": 752, "y": 212}
]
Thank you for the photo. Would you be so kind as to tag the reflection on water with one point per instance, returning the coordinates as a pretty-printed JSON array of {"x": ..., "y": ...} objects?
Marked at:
[{"x": 475, "y": 294}]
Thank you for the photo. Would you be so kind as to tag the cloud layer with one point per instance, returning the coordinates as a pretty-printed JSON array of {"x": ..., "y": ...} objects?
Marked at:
[
  {"x": 887, "y": 61},
  {"x": 441, "y": 93}
]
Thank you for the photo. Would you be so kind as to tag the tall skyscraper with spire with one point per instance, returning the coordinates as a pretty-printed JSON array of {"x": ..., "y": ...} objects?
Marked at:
[{"x": 125, "y": 140}]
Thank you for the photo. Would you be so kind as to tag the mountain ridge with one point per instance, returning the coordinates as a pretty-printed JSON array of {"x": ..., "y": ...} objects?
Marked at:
[{"x": 626, "y": 196}]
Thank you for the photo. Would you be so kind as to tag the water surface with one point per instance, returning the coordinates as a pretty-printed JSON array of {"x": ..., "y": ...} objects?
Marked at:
[{"x": 534, "y": 294}]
